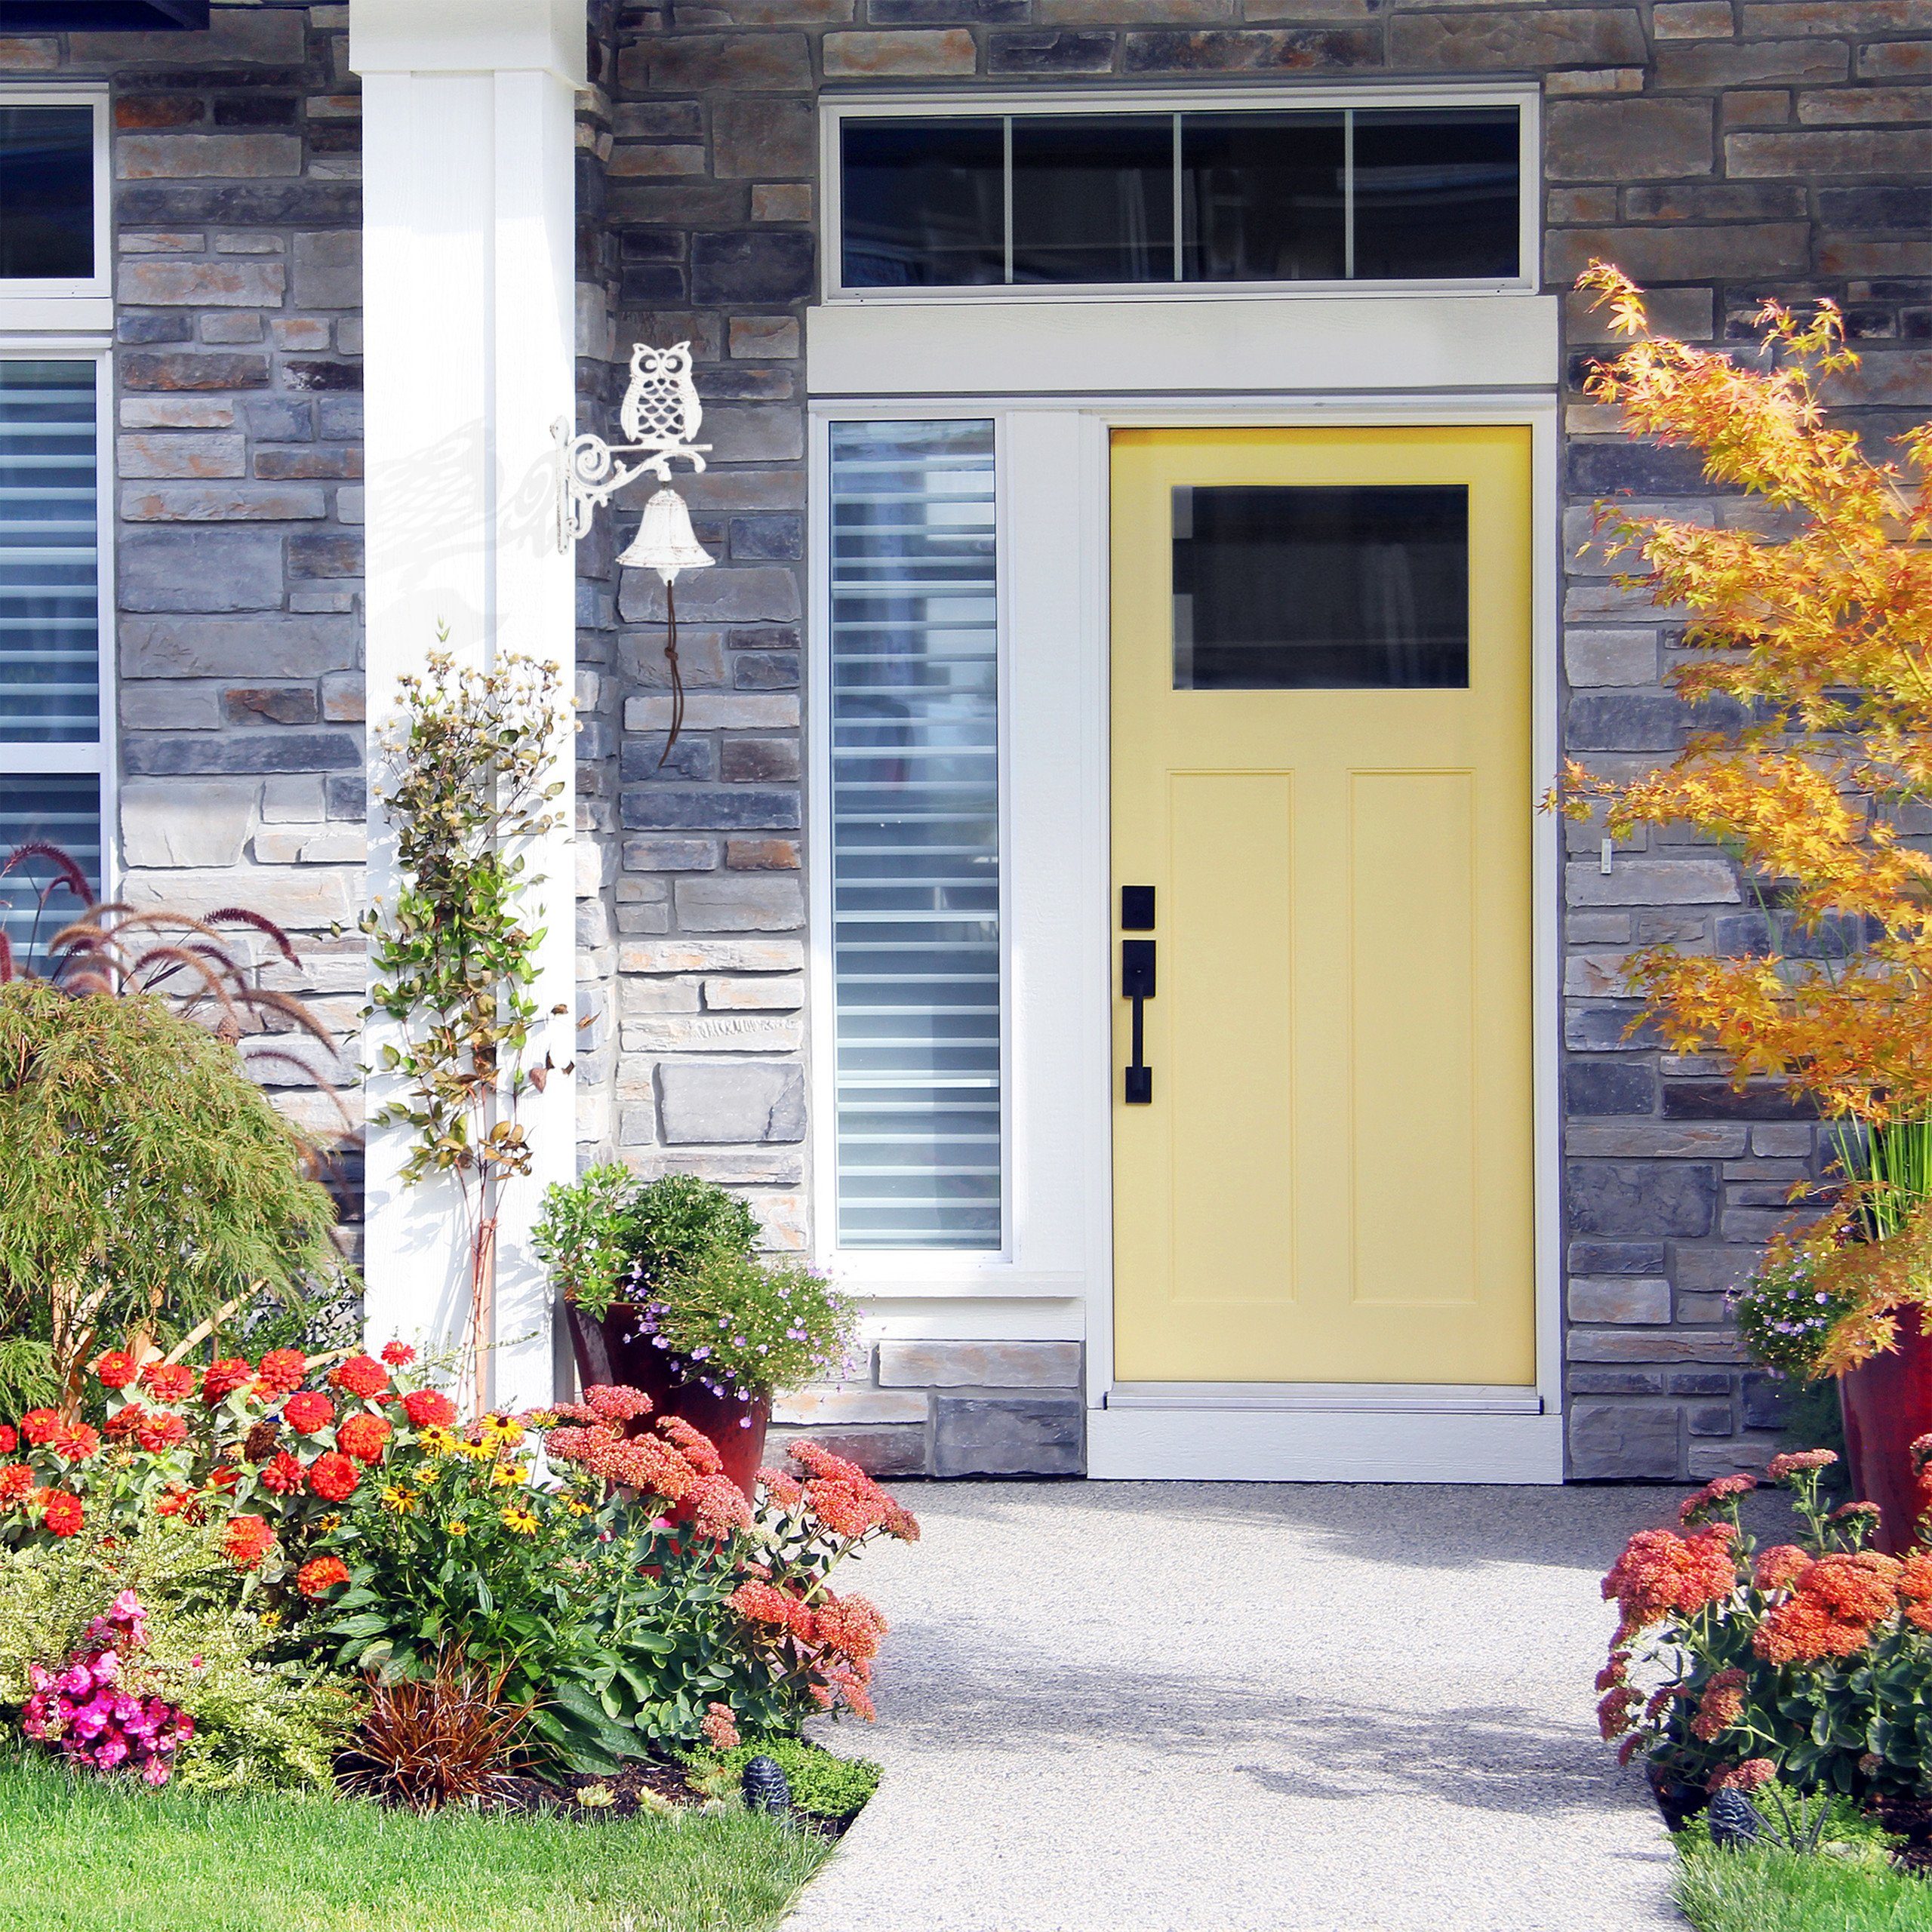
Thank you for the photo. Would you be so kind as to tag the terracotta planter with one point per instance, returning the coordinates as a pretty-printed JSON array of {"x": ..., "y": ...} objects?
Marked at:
[
  {"x": 1887, "y": 1401},
  {"x": 611, "y": 1350}
]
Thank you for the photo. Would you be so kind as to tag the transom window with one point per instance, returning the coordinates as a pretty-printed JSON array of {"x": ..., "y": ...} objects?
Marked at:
[{"x": 1114, "y": 196}]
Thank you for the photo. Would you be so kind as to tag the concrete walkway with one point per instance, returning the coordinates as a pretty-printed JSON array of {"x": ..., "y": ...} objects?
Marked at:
[{"x": 1110, "y": 1707}]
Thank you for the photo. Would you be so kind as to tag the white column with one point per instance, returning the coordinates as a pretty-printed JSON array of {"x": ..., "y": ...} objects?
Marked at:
[{"x": 468, "y": 243}]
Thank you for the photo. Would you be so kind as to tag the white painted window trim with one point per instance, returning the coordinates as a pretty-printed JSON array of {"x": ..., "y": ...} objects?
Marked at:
[
  {"x": 1054, "y": 583},
  {"x": 99, "y": 754},
  {"x": 836, "y": 109},
  {"x": 34, "y": 302}
]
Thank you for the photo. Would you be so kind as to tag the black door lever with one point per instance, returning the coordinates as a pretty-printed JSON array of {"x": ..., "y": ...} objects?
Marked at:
[{"x": 1136, "y": 983}]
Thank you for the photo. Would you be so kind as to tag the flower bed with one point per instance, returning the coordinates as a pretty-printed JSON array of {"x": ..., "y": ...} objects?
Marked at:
[{"x": 290, "y": 1572}]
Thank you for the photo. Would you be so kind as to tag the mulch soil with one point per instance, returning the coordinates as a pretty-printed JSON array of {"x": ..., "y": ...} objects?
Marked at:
[{"x": 1912, "y": 1818}]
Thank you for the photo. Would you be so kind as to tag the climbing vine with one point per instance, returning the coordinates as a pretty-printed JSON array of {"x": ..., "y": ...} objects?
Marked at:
[{"x": 463, "y": 773}]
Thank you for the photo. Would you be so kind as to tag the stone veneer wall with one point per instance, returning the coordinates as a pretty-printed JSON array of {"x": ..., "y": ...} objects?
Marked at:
[
  {"x": 235, "y": 525},
  {"x": 1722, "y": 150}
]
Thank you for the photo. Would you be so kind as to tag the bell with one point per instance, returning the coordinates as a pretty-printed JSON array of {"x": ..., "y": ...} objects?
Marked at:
[{"x": 665, "y": 541}]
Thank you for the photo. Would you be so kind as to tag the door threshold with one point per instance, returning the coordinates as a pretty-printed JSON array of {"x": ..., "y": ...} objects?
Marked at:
[{"x": 1359, "y": 1398}]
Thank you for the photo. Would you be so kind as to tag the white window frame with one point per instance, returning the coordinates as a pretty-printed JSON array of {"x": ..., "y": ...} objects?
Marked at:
[
  {"x": 836, "y": 111},
  {"x": 43, "y": 320},
  {"x": 893, "y": 1263}
]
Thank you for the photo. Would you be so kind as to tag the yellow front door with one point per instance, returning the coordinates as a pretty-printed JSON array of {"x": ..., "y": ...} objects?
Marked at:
[{"x": 1322, "y": 767}]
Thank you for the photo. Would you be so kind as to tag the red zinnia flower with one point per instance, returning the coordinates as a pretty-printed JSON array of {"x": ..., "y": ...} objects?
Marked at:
[
  {"x": 247, "y": 1541},
  {"x": 398, "y": 1354},
  {"x": 116, "y": 1369},
  {"x": 360, "y": 1375},
  {"x": 76, "y": 1442},
  {"x": 40, "y": 1425},
  {"x": 320, "y": 1573},
  {"x": 333, "y": 1477},
  {"x": 157, "y": 1434},
  {"x": 16, "y": 1481},
  {"x": 283, "y": 1476},
  {"x": 60, "y": 1512},
  {"x": 280, "y": 1371},
  {"x": 308, "y": 1412},
  {"x": 429, "y": 1408},
  {"x": 126, "y": 1419},
  {"x": 169, "y": 1381},
  {"x": 224, "y": 1377},
  {"x": 10, "y": 1439},
  {"x": 364, "y": 1436}
]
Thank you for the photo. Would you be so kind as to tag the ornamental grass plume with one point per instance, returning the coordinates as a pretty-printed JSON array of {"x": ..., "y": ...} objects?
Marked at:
[{"x": 1806, "y": 648}]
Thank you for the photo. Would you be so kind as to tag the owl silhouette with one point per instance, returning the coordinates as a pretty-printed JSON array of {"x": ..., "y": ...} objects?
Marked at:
[{"x": 661, "y": 405}]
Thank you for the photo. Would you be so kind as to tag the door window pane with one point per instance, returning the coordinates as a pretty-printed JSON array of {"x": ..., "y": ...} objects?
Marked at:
[
  {"x": 62, "y": 810},
  {"x": 1320, "y": 587},
  {"x": 1262, "y": 198},
  {"x": 49, "y": 583},
  {"x": 924, "y": 203},
  {"x": 914, "y": 799},
  {"x": 1094, "y": 198},
  {"x": 46, "y": 193},
  {"x": 1436, "y": 193}
]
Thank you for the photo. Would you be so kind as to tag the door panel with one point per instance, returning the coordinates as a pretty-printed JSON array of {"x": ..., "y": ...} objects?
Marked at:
[{"x": 1322, "y": 764}]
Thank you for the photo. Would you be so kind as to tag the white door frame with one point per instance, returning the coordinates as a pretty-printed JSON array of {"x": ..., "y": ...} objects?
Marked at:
[{"x": 1056, "y": 786}]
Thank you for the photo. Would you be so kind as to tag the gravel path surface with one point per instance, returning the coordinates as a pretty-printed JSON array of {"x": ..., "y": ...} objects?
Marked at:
[{"x": 1143, "y": 1707}]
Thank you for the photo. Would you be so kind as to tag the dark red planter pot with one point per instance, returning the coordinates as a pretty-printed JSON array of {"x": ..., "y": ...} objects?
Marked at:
[
  {"x": 610, "y": 1351},
  {"x": 1887, "y": 1401}
]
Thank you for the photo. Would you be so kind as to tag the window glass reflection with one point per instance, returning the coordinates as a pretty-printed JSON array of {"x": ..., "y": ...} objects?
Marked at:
[
  {"x": 1094, "y": 198},
  {"x": 1262, "y": 198},
  {"x": 924, "y": 203},
  {"x": 1436, "y": 193}
]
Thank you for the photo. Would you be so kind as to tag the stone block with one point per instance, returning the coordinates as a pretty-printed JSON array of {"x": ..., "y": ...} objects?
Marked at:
[
  {"x": 1614, "y": 1382},
  {"x": 635, "y": 995},
  {"x": 292, "y": 800},
  {"x": 943, "y": 12},
  {"x": 181, "y": 455},
  {"x": 167, "y": 412},
  {"x": 1883, "y": 60},
  {"x": 276, "y": 704},
  {"x": 1229, "y": 51},
  {"x": 1642, "y": 138},
  {"x": 713, "y": 955},
  {"x": 1766, "y": 1398},
  {"x": 948, "y": 50},
  {"x": 723, "y": 64},
  {"x": 760, "y": 761},
  {"x": 669, "y": 855},
  {"x": 1708, "y": 1418},
  {"x": 1788, "y": 1142},
  {"x": 209, "y": 571},
  {"x": 1717, "y": 1099},
  {"x": 325, "y": 556},
  {"x": 768, "y": 337},
  {"x": 700, "y": 657},
  {"x": 328, "y": 269},
  {"x": 727, "y": 1102},
  {"x": 1011, "y": 1435},
  {"x": 713, "y": 1033},
  {"x": 768, "y": 539},
  {"x": 1685, "y": 313},
  {"x": 727, "y": 995},
  {"x": 1707, "y": 1459},
  {"x": 762, "y": 855},
  {"x": 739, "y": 902},
  {"x": 301, "y": 898},
  {"x": 1063, "y": 52},
  {"x": 1609, "y": 1087},
  {"x": 651, "y": 807},
  {"x": 1609, "y": 1197},
  {"x": 235, "y": 37},
  {"x": 892, "y": 1449},
  {"x": 231, "y": 157},
  {"x": 1694, "y": 252},
  {"x": 810, "y": 1407},
  {"x": 770, "y": 670},
  {"x": 155, "y": 369},
  {"x": 188, "y": 753},
  {"x": 162, "y": 705},
  {"x": 1610, "y": 657},
  {"x": 227, "y": 646},
  {"x": 782, "y": 201},
  {"x": 1483, "y": 40},
  {"x": 1730, "y": 64},
  {"x": 157, "y": 283},
  {"x": 765, "y": 139},
  {"x": 171, "y": 824},
  {"x": 1651, "y": 1345},
  {"x": 1715, "y": 201},
  {"x": 1634, "y": 881},
  {"x": 758, "y": 593},
  {"x": 1657, "y": 1140},
  {"x": 1619, "y": 1298},
  {"x": 305, "y": 375},
  {"x": 1617, "y": 1257},
  {"x": 653, "y": 756},
  {"x": 1624, "y": 1440},
  {"x": 1603, "y": 1028},
  {"x": 940, "y": 1365},
  {"x": 1692, "y": 19},
  {"x": 311, "y": 203},
  {"x": 1900, "y": 151},
  {"x": 211, "y": 503}
]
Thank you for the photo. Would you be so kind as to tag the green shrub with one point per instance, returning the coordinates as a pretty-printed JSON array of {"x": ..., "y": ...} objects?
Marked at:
[
  {"x": 258, "y": 1723},
  {"x": 146, "y": 1175},
  {"x": 823, "y": 1783}
]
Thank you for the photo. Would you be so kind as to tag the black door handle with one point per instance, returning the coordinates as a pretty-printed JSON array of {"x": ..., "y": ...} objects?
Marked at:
[{"x": 1136, "y": 983}]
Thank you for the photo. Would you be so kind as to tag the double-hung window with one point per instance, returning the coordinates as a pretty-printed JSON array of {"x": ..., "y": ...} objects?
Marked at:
[
  {"x": 1127, "y": 194},
  {"x": 56, "y": 723}
]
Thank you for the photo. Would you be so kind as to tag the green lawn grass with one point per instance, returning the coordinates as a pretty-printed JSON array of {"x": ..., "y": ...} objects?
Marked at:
[
  {"x": 85, "y": 1854},
  {"x": 1772, "y": 1891}
]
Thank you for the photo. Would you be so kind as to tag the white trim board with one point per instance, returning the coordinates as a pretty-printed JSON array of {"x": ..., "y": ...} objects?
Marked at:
[{"x": 1321, "y": 1446}]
